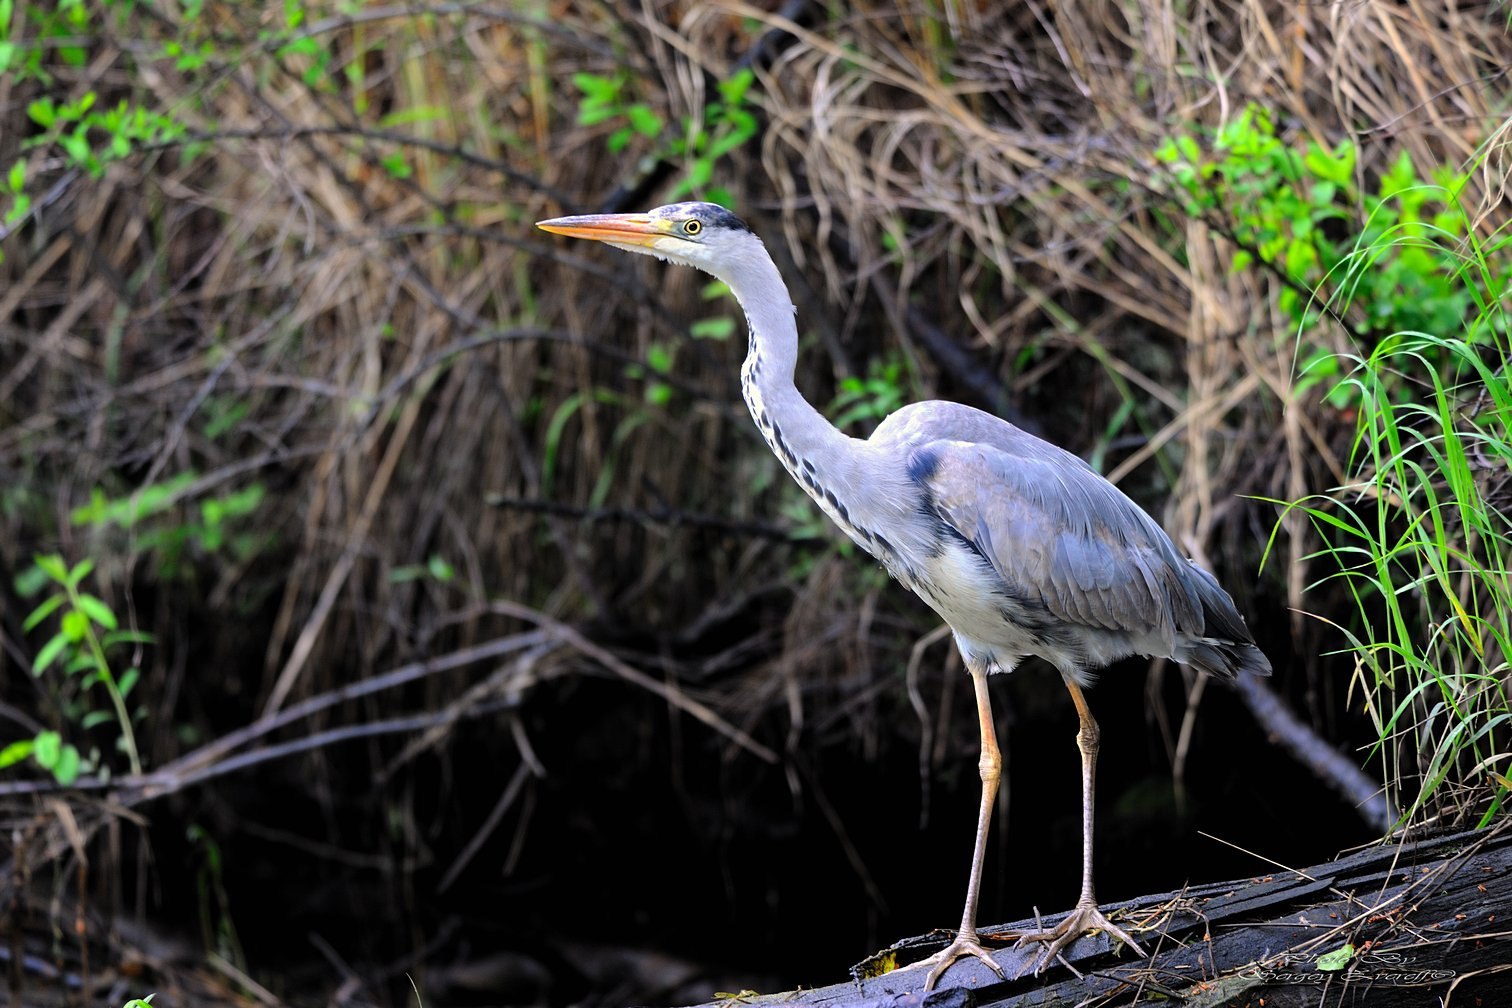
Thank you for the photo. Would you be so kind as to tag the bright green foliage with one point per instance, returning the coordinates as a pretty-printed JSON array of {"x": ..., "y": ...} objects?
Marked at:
[
  {"x": 77, "y": 655},
  {"x": 872, "y": 398},
  {"x": 76, "y": 134},
  {"x": 145, "y": 1002},
  {"x": 726, "y": 124},
  {"x": 1423, "y": 543},
  {"x": 604, "y": 100},
  {"x": 54, "y": 27},
  {"x": 1397, "y": 256},
  {"x": 1419, "y": 536},
  {"x": 152, "y": 513},
  {"x": 90, "y": 138}
]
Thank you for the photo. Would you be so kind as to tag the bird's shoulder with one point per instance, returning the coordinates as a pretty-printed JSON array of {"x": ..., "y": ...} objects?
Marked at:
[{"x": 923, "y": 423}]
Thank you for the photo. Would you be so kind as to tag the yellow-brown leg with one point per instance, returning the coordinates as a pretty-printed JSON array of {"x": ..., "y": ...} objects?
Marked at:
[
  {"x": 1086, "y": 916},
  {"x": 991, "y": 767}
]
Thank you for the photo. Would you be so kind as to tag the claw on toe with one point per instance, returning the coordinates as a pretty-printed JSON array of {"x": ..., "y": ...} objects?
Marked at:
[
  {"x": 965, "y": 946},
  {"x": 1082, "y": 920}
]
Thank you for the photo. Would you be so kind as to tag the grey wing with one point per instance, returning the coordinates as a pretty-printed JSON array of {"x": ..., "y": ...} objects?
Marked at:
[{"x": 1060, "y": 535}]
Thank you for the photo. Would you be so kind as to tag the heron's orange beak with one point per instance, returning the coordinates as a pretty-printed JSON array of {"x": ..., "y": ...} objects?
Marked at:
[{"x": 622, "y": 229}]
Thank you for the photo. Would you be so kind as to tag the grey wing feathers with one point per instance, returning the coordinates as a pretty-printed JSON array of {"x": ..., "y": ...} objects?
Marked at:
[{"x": 1058, "y": 533}]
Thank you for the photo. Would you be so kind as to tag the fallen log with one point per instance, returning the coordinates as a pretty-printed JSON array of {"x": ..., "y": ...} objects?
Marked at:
[{"x": 1397, "y": 924}]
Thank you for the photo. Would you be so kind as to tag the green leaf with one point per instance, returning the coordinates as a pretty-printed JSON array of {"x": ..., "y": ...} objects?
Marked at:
[
  {"x": 440, "y": 569},
  {"x": 47, "y": 747},
  {"x": 597, "y": 88},
  {"x": 96, "y": 718},
  {"x": 720, "y": 327},
  {"x": 659, "y": 358},
  {"x": 733, "y": 91},
  {"x": 49, "y": 653},
  {"x": 412, "y": 114},
  {"x": 591, "y": 114},
  {"x": 700, "y": 172},
  {"x": 75, "y": 625},
  {"x": 397, "y": 166},
  {"x": 31, "y": 581},
  {"x": 128, "y": 680},
  {"x": 16, "y": 177},
  {"x": 53, "y": 566},
  {"x": 42, "y": 112},
  {"x": 644, "y": 121},
  {"x": 80, "y": 571},
  {"x": 1337, "y": 959},
  {"x": 16, "y": 752},
  {"x": 66, "y": 768},
  {"x": 97, "y": 611},
  {"x": 41, "y": 613}
]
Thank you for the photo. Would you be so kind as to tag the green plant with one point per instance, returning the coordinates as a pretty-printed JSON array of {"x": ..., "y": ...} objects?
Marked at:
[
  {"x": 219, "y": 523},
  {"x": 1419, "y": 535},
  {"x": 87, "y": 630},
  {"x": 144, "y": 1002},
  {"x": 55, "y": 26},
  {"x": 79, "y": 133},
  {"x": 1423, "y": 544},
  {"x": 217, "y": 929},
  {"x": 90, "y": 138},
  {"x": 726, "y": 124},
  {"x": 436, "y": 568},
  {"x": 1409, "y": 264},
  {"x": 604, "y": 100},
  {"x": 869, "y": 400},
  {"x": 50, "y": 752}
]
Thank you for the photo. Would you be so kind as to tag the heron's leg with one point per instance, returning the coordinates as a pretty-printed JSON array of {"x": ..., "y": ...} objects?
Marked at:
[
  {"x": 1086, "y": 917},
  {"x": 991, "y": 767}
]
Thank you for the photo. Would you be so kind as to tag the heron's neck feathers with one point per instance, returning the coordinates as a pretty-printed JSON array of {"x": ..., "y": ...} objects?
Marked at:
[{"x": 817, "y": 454}]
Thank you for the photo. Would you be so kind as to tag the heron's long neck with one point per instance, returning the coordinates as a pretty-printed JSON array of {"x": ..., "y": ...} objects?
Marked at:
[{"x": 819, "y": 456}]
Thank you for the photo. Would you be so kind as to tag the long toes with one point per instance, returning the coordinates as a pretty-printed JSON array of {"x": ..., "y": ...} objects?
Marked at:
[
  {"x": 961, "y": 948},
  {"x": 1120, "y": 934},
  {"x": 1081, "y": 921}
]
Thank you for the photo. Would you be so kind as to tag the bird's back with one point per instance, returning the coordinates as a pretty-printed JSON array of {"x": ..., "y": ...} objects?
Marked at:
[{"x": 1030, "y": 551}]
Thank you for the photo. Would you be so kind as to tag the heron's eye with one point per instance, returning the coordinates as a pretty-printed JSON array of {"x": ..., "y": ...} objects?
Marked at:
[{"x": 692, "y": 227}]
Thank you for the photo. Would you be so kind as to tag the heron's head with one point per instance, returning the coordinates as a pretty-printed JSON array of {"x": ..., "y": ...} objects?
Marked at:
[{"x": 695, "y": 234}]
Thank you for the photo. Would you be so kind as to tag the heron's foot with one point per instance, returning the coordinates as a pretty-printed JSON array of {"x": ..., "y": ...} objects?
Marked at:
[
  {"x": 1083, "y": 920},
  {"x": 965, "y": 945}
]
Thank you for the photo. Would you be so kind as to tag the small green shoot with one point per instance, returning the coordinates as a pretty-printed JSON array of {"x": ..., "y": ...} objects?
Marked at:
[{"x": 87, "y": 629}]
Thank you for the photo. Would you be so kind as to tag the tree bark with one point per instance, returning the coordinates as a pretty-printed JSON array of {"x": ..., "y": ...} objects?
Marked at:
[{"x": 1397, "y": 924}]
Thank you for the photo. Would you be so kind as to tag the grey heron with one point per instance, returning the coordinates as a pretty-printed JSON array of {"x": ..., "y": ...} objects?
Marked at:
[{"x": 1020, "y": 546}]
